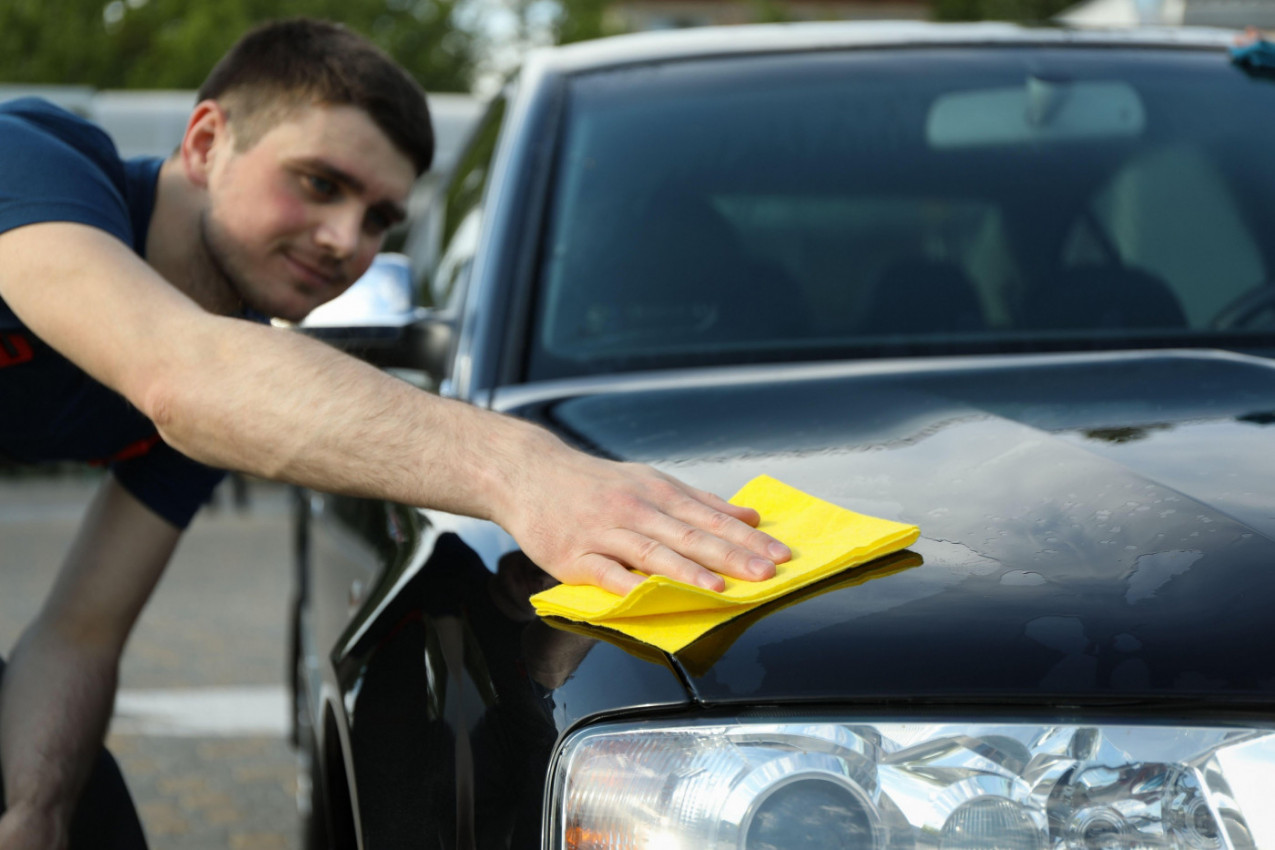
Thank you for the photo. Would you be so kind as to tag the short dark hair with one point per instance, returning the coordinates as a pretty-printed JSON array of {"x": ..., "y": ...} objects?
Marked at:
[{"x": 285, "y": 65}]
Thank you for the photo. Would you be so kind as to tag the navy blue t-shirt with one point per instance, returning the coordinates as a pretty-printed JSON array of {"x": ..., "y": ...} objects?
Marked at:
[{"x": 55, "y": 166}]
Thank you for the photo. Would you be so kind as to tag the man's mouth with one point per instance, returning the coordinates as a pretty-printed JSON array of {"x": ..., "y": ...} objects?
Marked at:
[{"x": 315, "y": 274}]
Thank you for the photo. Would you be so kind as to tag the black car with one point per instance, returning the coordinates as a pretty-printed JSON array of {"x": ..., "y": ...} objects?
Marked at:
[{"x": 1011, "y": 285}]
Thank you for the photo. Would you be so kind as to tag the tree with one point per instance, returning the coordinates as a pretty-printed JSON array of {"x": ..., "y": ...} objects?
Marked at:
[
  {"x": 581, "y": 20},
  {"x": 174, "y": 43},
  {"x": 1023, "y": 11}
]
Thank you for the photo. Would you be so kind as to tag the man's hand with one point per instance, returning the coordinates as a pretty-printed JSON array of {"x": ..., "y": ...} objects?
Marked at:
[{"x": 591, "y": 521}]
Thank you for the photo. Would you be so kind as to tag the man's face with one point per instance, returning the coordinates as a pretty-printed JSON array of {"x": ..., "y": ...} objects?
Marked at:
[{"x": 297, "y": 217}]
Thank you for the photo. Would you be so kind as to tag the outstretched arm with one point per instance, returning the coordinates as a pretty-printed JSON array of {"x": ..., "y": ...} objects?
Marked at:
[
  {"x": 242, "y": 396},
  {"x": 59, "y": 687}
]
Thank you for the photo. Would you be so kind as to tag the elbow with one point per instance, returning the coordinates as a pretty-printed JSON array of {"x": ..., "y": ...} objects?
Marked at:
[
  {"x": 192, "y": 414},
  {"x": 158, "y": 404},
  {"x": 163, "y": 403}
]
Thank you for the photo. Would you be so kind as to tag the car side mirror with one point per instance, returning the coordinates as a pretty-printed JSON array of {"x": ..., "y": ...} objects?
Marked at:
[{"x": 375, "y": 320}]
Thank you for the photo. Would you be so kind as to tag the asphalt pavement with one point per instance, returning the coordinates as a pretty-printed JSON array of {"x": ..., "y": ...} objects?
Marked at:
[{"x": 201, "y": 717}]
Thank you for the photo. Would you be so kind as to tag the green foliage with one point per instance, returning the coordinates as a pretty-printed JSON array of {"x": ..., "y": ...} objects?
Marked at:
[
  {"x": 174, "y": 43},
  {"x": 581, "y": 20},
  {"x": 1024, "y": 11},
  {"x": 770, "y": 12}
]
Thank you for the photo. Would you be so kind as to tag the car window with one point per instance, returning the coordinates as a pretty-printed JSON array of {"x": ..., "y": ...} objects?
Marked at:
[{"x": 875, "y": 203}]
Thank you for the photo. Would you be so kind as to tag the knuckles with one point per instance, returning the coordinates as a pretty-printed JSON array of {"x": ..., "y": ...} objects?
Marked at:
[
  {"x": 737, "y": 561},
  {"x": 720, "y": 523},
  {"x": 689, "y": 539},
  {"x": 597, "y": 571},
  {"x": 647, "y": 553},
  {"x": 627, "y": 504}
]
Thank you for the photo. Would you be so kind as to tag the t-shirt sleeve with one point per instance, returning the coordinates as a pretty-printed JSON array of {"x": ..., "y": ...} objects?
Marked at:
[
  {"x": 71, "y": 176},
  {"x": 169, "y": 483}
]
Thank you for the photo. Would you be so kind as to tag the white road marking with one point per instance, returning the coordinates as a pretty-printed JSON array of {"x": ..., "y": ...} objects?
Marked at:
[
  {"x": 26, "y": 514},
  {"x": 244, "y": 712}
]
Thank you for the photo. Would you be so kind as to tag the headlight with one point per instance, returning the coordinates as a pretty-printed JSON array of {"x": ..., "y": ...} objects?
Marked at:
[{"x": 886, "y": 786}]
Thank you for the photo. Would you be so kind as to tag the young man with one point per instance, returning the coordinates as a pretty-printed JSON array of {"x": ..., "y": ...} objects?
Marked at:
[{"x": 127, "y": 293}]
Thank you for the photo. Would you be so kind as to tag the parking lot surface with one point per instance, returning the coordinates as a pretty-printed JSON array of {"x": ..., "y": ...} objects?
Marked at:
[{"x": 202, "y": 715}]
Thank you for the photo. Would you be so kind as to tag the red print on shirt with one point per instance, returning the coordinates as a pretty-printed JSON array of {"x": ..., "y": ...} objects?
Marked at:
[
  {"x": 130, "y": 451},
  {"x": 14, "y": 349}
]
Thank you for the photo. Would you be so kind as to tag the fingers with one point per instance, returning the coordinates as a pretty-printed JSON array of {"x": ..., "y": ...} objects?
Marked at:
[
  {"x": 667, "y": 546},
  {"x": 688, "y": 535},
  {"x": 717, "y": 503},
  {"x": 705, "y": 510},
  {"x": 607, "y": 574},
  {"x": 648, "y": 555}
]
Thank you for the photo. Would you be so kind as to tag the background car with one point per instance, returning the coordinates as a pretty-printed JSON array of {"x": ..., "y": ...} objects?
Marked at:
[{"x": 1011, "y": 285}]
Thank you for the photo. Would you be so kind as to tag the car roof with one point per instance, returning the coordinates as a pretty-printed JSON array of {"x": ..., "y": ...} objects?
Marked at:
[{"x": 706, "y": 42}]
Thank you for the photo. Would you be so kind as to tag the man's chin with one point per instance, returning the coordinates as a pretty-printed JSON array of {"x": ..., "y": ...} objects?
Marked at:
[
  {"x": 285, "y": 309},
  {"x": 294, "y": 316}
]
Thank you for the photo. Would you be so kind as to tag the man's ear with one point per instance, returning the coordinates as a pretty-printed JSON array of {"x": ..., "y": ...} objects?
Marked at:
[{"x": 207, "y": 132}]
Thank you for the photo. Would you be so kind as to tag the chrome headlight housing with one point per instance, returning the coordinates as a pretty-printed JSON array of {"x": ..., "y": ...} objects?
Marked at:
[{"x": 894, "y": 785}]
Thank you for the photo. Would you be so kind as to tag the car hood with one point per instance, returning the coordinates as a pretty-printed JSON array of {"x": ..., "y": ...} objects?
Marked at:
[{"x": 1093, "y": 528}]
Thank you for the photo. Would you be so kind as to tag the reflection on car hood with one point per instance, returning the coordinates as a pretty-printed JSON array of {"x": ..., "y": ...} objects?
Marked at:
[{"x": 1092, "y": 527}]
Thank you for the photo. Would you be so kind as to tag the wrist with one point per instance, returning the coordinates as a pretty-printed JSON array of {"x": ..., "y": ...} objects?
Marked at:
[
  {"x": 29, "y": 825},
  {"x": 517, "y": 460}
]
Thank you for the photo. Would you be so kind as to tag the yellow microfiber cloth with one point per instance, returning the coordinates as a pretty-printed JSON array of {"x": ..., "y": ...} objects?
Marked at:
[{"x": 667, "y": 614}]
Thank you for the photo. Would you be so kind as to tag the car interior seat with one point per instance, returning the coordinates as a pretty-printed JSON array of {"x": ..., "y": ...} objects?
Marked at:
[
  {"x": 1098, "y": 297},
  {"x": 923, "y": 296},
  {"x": 677, "y": 271}
]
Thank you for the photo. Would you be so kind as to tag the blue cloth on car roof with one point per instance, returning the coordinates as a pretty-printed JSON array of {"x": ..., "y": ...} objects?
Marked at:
[{"x": 1256, "y": 58}]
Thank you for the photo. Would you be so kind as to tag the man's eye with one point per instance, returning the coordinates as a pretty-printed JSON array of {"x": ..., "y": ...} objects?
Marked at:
[
  {"x": 376, "y": 222},
  {"x": 321, "y": 186}
]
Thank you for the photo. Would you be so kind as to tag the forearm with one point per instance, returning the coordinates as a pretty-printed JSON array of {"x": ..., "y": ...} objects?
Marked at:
[
  {"x": 55, "y": 705},
  {"x": 300, "y": 411},
  {"x": 58, "y": 690},
  {"x": 245, "y": 396}
]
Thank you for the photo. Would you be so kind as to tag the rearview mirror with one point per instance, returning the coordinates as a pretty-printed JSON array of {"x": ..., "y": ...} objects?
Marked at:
[
  {"x": 1041, "y": 110},
  {"x": 375, "y": 320}
]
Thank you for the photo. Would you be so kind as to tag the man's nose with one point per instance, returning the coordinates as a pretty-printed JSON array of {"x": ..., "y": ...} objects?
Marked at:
[{"x": 340, "y": 231}]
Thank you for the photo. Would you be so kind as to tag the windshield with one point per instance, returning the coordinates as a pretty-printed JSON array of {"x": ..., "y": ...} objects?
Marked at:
[{"x": 907, "y": 201}]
